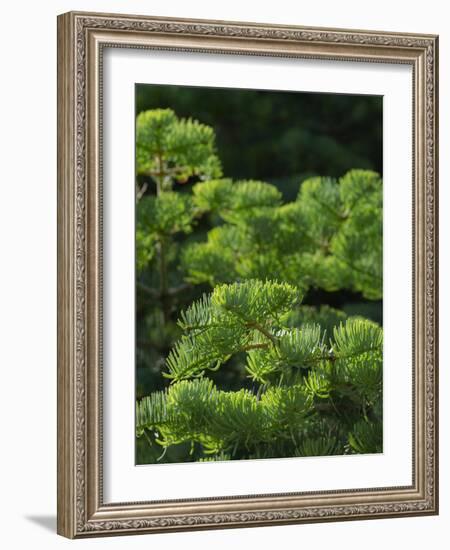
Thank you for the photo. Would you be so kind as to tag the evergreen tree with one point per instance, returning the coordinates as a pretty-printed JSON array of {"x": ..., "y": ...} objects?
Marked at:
[
  {"x": 169, "y": 151},
  {"x": 248, "y": 371}
]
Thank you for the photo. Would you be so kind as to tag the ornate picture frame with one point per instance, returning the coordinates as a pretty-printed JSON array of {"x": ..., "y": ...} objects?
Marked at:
[{"x": 82, "y": 38}]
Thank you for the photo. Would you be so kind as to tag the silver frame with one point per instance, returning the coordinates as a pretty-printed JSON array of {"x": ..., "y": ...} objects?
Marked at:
[{"x": 81, "y": 40}]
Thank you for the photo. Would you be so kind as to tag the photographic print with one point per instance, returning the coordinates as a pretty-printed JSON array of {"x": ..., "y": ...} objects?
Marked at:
[
  {"x": 247, "y": 274},
  {"x": 259, "y": 288}
]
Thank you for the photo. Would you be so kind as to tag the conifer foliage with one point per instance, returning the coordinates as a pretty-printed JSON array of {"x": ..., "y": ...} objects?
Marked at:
[
  {"x": 311, "y": 393},
  {"x": 239, "y": 367},
  {"x": 330, "y": 237}
]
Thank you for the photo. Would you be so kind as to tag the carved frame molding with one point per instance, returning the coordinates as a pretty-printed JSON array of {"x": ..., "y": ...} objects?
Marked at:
[{"x": 81, "y": 39}]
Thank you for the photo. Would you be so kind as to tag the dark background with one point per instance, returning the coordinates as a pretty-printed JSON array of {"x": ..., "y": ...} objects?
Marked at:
[{"x": 280, "y": 137}]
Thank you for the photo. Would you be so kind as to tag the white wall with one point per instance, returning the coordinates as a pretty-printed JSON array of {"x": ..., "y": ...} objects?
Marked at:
[{"x": 28, "y": 269}]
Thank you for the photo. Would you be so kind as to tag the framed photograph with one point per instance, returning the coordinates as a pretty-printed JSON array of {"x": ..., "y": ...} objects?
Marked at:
[{"x": 247, "y": 274}]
